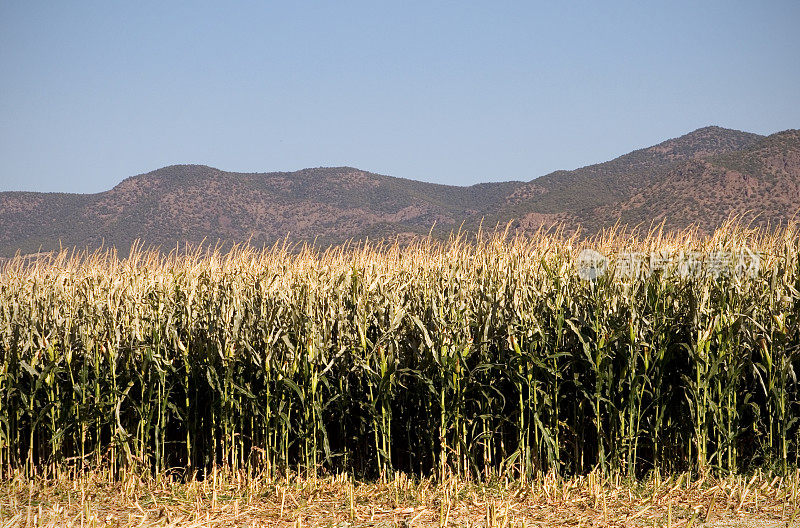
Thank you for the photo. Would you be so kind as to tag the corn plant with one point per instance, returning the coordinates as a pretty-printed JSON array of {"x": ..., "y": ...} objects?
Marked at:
[{"x": 478, "y": 357}]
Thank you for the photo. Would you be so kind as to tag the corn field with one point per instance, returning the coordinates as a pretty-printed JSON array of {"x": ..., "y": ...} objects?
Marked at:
[{"x": 475, "y": 358}]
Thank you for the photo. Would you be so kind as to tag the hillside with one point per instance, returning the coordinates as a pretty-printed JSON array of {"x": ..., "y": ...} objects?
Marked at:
[
  {"x": 760, "y": 184},
  {"x": 576, "y": 197},
  {"x": 701, "y": 177},
  {"x": 195, "y": 203}
]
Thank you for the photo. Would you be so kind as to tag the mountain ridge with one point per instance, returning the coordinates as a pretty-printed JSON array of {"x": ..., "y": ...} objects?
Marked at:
[{"x": 695, "y": 178}]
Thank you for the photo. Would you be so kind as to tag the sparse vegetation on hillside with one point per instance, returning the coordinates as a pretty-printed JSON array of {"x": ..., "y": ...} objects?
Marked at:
[{"x": 703, "y": 177}]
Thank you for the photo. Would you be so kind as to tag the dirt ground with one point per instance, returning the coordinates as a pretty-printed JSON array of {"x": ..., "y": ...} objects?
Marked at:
[{"x": 678, "y": 501}]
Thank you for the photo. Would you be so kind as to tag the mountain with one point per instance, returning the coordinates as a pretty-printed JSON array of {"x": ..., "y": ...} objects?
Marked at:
[
  {"x": 701, "y": 177},
  {"x": 578, "y": 197},
  {"x": 195, "y": 202},
  {"x": 760, "y": 183}
]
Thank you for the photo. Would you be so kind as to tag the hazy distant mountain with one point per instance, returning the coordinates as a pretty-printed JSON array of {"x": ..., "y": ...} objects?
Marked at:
[{"x": 701, "y": 177}]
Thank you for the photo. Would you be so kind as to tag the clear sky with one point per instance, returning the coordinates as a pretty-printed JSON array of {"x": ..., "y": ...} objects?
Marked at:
[{"x": 451, "y": 92}]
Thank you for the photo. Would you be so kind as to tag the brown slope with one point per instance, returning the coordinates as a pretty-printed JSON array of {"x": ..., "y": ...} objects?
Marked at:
[
  {"x": 574, "y": 196},
  {"x": 760, "y": 184},
  {"x": 676, "y": 179},
  {"x": 195, "y": 203},
  {"x": 30, "y": 221}
]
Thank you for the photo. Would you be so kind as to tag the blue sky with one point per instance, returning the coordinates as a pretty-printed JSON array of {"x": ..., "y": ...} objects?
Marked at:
[{"x": 449, "y": 92}]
